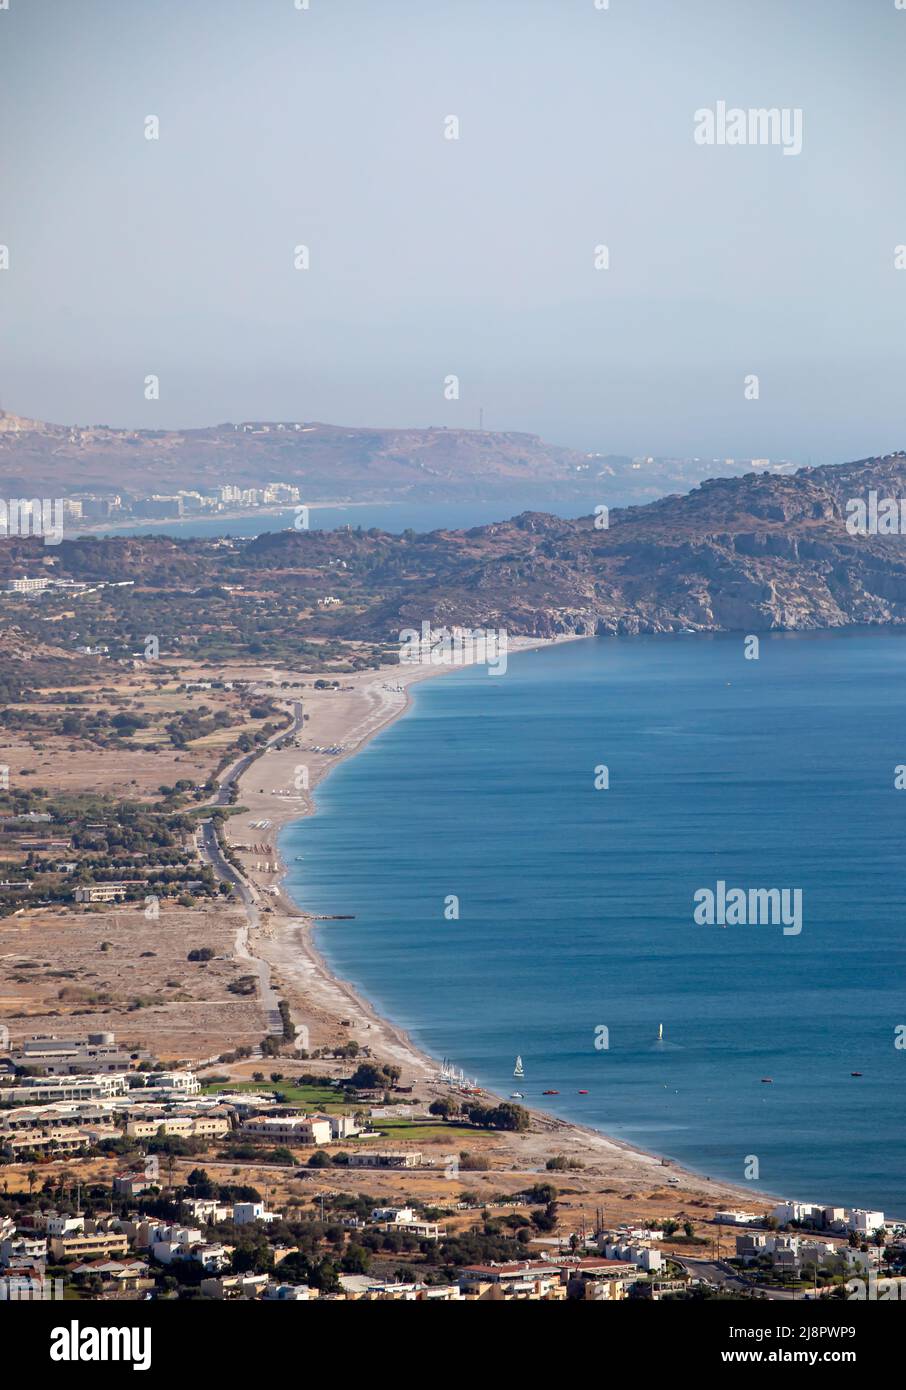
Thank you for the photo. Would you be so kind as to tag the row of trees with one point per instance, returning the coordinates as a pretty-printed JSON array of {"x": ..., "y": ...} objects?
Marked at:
[{"x": 505, "y": 1116}]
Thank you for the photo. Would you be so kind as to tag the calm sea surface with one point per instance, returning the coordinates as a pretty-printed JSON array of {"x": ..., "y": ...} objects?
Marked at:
[
  {"x": 576, "y": 903},
  {"x": 394, "y": 517}
]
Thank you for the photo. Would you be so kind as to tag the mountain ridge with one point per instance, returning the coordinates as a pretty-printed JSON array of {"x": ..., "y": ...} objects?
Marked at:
[
  {"x": 753, "y": 553},
  {"x": 337, "y": 463}
]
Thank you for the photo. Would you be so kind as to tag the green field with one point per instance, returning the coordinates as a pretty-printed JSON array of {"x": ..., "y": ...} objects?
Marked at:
[
  {"x": 412, "y": 1130},
  {"x": 324, "y": 1098},
  {"x": 327, "y": 1100}
]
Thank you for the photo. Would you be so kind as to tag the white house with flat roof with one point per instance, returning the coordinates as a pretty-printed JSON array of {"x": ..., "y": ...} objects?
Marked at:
[
  {"x": 303, "y": 1129},
  {"x": 58, "y": 1225},
  {"x": 394, "y": 1214},
  {"x": 865, "y": 1222},
  {"x": 206, "y": 1209},
  {"x": 244, "y": 1213},
  {"x": 644, "y": 1256},
  {"x": 796, "y": 1211}
]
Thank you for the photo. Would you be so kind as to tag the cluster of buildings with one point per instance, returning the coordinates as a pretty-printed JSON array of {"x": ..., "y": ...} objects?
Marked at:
[
  {"x": 183, "y": 502},
  {"x": 53, "y": 1056},
  {"x": 125, "y": 1253},
  {"x": 596, "y": 1278},
  {"x": 300, "y": 1129},
  {"x": 118, "y": 890},
  {"x": 159, "y": 1085},
  {"x": 69, "y": 1095},
  {"x": 71, "y": 588},
  {"x": 96, "y": 1249},
  {"x": 403, "y": 1220},
  {"x": 839, "y": 1219},
  {"x": 853, "y": 1249},
  {"x": 790, "y": 1254},
  {"x": 127, "y": 1256},
  {"x": 75, "y": 1114},
  {"x": 642, "y": 1256}
]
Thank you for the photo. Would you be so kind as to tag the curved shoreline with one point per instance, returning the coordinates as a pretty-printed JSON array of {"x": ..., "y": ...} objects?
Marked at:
[{"x": 325, "y": 1006}]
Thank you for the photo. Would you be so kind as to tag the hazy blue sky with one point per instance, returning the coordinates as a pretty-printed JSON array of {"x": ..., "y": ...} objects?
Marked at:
[{"x": 475, "y": 257}]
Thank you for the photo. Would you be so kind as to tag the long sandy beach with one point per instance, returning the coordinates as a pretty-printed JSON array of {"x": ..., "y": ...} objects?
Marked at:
[{"x": 277, "y": 788}]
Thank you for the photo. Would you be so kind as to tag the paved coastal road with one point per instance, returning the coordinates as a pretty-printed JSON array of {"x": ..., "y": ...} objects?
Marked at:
[
  {"x": 233, "y": 774},
  {"x": 211, "y": 853},
  {"x": 723, "y": 1276},
  {"x": 209, "y": 848}
]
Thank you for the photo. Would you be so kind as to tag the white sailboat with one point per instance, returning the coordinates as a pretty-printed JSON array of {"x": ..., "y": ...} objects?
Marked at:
[{"x": 518, "y": 1069}]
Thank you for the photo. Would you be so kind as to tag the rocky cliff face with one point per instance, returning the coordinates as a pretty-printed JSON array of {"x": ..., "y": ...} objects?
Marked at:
[{"x": 750, "y": 554}]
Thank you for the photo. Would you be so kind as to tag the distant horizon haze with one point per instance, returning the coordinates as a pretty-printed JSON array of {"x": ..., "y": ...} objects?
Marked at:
[
  {"x": 476, "y": 257},
  {"x": 397, "y": 427}
]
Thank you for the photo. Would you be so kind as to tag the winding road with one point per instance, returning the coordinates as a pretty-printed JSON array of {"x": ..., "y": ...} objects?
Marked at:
[{"x": 211, "y": 853}]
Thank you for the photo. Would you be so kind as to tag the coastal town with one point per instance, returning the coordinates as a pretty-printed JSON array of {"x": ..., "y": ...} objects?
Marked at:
[
  {"x": 224, "y": 500},
  {"x": 452, "y": 601},
  {"x": 123, "y": 1179},
  {"x": 193, "y": 1106}
]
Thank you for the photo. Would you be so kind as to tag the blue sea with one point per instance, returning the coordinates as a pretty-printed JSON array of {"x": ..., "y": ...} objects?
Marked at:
[
  {"x": 394, "y": 517},
  {"x": 576, "y": 903}
]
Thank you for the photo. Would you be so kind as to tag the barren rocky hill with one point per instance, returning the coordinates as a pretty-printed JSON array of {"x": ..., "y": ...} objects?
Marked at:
[
  {"x": 329, "y": 462},
  {"x": 749, "y": 553},
  {"x": 333, "y": 463}
]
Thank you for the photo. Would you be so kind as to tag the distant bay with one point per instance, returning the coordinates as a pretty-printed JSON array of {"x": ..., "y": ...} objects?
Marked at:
[
  {"x": 394, "y": 517},
  {"x": 576, "y": 904}
]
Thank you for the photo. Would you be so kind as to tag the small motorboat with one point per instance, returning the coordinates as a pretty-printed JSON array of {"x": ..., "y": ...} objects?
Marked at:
[
  {"x": 767, "y": 1081},
  {"x": 550, "y": 1093},
  {"x": 516, "y": 1095},
  {"x": 855, "y": 1073},
  {"x": 583, "y": 1093}
]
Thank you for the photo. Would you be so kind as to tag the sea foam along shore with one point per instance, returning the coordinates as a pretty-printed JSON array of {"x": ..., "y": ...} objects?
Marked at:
[{"x": 338, "y": 724}]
